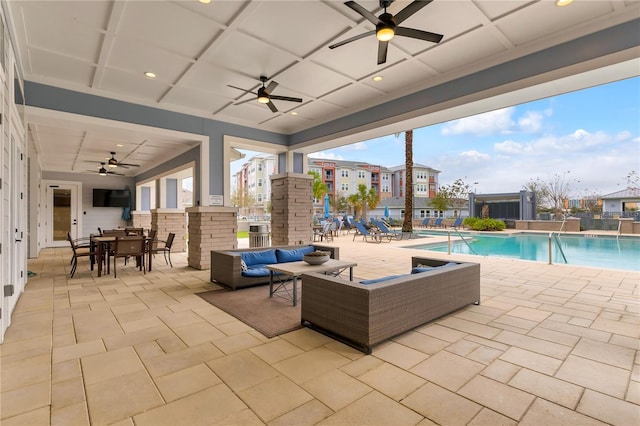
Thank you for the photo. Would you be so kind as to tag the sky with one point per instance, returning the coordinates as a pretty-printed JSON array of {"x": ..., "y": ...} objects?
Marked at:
[{"x": 591, "y": 137}]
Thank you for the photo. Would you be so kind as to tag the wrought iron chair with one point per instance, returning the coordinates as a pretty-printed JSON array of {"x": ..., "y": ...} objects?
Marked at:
[
  {"x": 125, "y": 247},
  {"x": 166, "y": 250},
  {"x": 80, "y": 248}
]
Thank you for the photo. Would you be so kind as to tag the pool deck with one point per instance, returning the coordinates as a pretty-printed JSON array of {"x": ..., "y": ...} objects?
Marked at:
[{"x": 549, "y": 344}]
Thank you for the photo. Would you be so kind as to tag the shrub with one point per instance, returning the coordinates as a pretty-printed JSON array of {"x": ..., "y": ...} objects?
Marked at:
[
  {"x": 469, "y": 222},
  {"x": 487, "y": 225}
]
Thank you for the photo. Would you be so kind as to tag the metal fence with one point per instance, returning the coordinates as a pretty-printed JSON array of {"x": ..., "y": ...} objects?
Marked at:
[{"x": 597, "y": 221}]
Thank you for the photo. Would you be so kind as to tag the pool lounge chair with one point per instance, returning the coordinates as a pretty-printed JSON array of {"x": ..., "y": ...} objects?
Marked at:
[
  {"x": 386, "y": 232},
  {"x": 425, "y": 222},
  {"x": 457, "y": 224},
  {"x": 437, "y": 223},
  {"x": 368, "y": 236}
]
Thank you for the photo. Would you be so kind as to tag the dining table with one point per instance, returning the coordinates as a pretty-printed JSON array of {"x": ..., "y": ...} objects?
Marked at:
[{"x": 103, "y": 246}]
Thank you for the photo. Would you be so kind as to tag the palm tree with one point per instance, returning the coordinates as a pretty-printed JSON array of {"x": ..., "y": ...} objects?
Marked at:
[
  {"x": 319, "y": 188},
  {"x": 364, "y": 199},
  {"x": 407, "y": 225}
]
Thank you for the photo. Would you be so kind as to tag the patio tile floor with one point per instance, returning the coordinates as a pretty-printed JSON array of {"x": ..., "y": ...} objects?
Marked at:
[{"x": 549, "y": 344}]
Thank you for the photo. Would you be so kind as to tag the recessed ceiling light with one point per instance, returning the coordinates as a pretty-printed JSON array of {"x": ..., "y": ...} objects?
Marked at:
[
  {"x": 377, "y": 78},
  {"x": 119, "y": 145},
  {"x": 294, "y": 113},
  {"x": 204, "y": 1},
  {"x": 561, "y": 3},
  {"x": 150, "y": 74}
]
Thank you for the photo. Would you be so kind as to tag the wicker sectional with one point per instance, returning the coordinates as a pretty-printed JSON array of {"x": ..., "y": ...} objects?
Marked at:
[
  {"x": 227, "y": 270},
  {"x": 365, "y": 315}
]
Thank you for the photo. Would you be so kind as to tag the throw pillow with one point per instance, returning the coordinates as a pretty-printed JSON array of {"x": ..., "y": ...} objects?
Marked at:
[{"x": 243, "y": 265}]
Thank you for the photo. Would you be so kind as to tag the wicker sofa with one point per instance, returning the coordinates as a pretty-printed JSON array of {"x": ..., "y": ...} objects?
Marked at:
[
  {"x": 226, "y": 265},
  {"x": 365, "y": 315}
]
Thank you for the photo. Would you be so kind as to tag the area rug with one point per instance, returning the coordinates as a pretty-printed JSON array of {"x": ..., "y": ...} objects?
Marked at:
[{"x": 253, "y": 306}]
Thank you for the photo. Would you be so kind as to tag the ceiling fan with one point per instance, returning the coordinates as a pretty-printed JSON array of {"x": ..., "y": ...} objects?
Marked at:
[
  {"x": 102, "y": 171},
  {"x": 115, "y": 163},
  {"x": 264, "y": 95},
  {"x": 387, "y": 25}
]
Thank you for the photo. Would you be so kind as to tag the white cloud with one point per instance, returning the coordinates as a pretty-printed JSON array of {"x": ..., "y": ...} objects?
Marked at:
[
  {"x": 474, "y": 156},
  {"x": 358, "y": 146},
  {"x": 501, "y": 121},
  {"x": 509, "y": 147},
  {"x": 531, "y": 122},
  {"x": 491, "y": 122},
  {"x": 326, "y": 155}
]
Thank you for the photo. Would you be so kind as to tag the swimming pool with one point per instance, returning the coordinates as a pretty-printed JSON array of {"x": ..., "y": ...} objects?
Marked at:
[{"x": 590, "y": 250}]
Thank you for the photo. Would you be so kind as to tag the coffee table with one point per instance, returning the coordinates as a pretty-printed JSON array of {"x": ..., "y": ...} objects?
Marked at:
[{"x": 295, "y": 269}]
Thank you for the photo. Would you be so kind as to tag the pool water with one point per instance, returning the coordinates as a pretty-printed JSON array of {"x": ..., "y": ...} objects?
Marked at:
[{"x": 589, "y": 250}]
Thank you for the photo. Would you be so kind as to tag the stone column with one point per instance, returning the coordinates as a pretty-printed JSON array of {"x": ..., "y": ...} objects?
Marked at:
[
  {"x": 141, "y": 219},
  {"x": 291, "y": 209},
  {"x": 211, "y": 228},
  {"x": 165, "y": 221}
]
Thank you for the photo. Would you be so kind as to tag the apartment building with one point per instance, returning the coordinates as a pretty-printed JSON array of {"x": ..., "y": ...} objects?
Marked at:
[
  {"x": 251, "y": 185},
  {"x": 342, "y": 178}
]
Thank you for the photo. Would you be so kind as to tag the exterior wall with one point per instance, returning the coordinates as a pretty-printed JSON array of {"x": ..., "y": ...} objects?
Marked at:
[
  {"x": 165, "y": 221},
  {"x": 570, "y": 225},
  {"x": 211, "y": 228},
  {"x": 291, "y": 209},
  {"x": 141, "y": 219},
  {"x": 629, "y": 226}
]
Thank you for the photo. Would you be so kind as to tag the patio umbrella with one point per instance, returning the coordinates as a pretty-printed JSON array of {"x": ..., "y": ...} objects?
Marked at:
[
  {"x": 386, "y": 211},
  {"x": 326, "y": 206}
]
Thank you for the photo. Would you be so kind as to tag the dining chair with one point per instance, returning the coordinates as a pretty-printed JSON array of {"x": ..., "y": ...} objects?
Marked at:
[
  {"x": 80, "y": 249},
  {"x": 134, "y": 231},
  {"x": 129, "y": 246},
  {"x": 166, "y": 250}
]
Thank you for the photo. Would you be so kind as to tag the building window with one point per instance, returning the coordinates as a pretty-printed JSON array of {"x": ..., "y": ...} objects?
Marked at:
[
  {"x": 361, "y": 174},
  {"x": 259, "y": 167},
  {"x": 422, "y": 214},
  {"x": 345, "y": 187},
  {"x": 402, "y": 213},
  {"x": 259, "y": 197},
  {"x": 385, "y": 188},
  {"x": 345, "y": 173},
  {"x": 259, "y": 182}
]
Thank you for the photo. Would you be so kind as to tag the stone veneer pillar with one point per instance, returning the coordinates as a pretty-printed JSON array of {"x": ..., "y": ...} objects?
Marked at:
[
  {"x": 291, "y": 209},
  {"x": 141, "y": 219},
  {"x": 211, "y": 228},
  {"x": 165, "y": 221}
]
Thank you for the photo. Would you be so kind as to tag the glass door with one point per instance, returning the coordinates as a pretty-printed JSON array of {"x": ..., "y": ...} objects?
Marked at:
[{"x": 62, "y": 213}]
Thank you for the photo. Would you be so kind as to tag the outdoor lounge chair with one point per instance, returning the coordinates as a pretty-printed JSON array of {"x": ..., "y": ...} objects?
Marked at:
[
  {"x": 425, "y": 222},
  {"x": 458, "y": 223},
  {"x": 386, "y": 232},
  {"x": 368, "y": 236},
  {"x": 437, "y": 223}
]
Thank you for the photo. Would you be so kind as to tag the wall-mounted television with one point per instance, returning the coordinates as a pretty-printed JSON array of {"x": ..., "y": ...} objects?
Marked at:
[{"x": 111, "y": 197}]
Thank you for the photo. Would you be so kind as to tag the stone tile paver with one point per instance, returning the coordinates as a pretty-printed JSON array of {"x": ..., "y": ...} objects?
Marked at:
[
  {"x": 448, "y": 370},
  {"x": 373, "y": 408},
  {"x": 499, "y": 397},
  {"x": 595, "y": 375},
  {"x": 549, "y": 388},
  {"x": 441, "y": 405},
  {"x": 547, "y": 413},
  {"x": 274, "y": 397}
]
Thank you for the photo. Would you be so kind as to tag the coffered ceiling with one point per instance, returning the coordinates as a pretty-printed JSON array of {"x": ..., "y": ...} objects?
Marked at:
[{"x": 196, "y": 50}]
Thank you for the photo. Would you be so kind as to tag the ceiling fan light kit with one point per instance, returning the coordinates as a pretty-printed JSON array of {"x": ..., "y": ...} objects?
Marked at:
[
  {"x": 387, "y": 26},
  {"x": 264, "y": 95}
]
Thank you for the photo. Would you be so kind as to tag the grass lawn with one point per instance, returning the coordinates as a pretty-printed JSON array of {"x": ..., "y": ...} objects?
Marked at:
[{"x": 243, "y": 234}]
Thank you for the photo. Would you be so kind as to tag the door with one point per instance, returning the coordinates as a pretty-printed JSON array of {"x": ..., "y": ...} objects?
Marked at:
[{"x": 62, "y": 213}]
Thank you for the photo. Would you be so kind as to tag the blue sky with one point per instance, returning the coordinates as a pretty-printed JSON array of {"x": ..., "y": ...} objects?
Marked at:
[{"x": 593, "y": 135}]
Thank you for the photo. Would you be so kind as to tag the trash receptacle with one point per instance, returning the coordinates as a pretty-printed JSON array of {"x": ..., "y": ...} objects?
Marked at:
[{"x": 259, "y": 236}]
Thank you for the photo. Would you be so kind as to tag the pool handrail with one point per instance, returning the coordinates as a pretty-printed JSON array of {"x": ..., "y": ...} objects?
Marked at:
[
  {"x": 557, "y": 240},
  {"x": 462, "y": 238}
]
